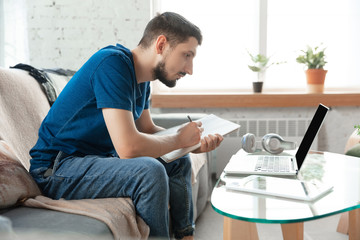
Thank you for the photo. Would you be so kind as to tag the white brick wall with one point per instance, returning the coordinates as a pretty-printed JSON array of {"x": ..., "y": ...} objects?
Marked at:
[{"x": 65, "y": 33}]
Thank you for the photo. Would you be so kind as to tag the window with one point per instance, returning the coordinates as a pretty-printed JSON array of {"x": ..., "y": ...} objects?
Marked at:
[
  {"x": 2, "y": 34},
  {"x": 278, "y": 28},
  {"x": 13, "y": 33}
]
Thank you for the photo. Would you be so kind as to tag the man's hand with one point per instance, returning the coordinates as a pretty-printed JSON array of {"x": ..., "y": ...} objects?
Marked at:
[
  {"x": 209, "y": 143},
  {"x": 190, "y": 134}
]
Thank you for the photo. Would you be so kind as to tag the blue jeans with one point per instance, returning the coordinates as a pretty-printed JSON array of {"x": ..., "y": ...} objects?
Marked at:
[{"x": 150, "y": 183}]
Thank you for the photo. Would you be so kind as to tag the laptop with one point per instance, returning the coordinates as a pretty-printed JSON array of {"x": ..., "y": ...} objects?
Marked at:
[{"x": 280, "y": 165}]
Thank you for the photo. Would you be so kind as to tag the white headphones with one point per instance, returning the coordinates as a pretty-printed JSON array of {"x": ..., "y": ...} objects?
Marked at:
[{"x": 272, "y": 143}]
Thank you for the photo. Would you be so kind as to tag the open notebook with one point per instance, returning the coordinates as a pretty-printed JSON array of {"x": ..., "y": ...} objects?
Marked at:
[{"x": 212, "y": 124}]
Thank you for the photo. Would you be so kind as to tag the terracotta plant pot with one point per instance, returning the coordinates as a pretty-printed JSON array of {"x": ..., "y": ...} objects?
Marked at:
[{"x": 315, "y": 80}]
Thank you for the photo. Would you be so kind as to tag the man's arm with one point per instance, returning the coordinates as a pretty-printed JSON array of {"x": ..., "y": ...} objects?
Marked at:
[
  {"x": 129, "y": 142},
  {"x": 145, "y": 123}
]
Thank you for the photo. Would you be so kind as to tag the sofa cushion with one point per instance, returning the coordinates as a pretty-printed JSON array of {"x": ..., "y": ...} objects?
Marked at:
[
  {"x": 38, "y": 223},
  {"x": 23, "y": 106},
  {"x": 16, "y": 184}
]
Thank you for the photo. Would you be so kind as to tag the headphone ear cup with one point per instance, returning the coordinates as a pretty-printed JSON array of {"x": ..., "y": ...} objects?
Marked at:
[
  {"x": 248, "y": 143},
  {"x": 272, "y": 143},
  {"x": 275, "y": 144}
]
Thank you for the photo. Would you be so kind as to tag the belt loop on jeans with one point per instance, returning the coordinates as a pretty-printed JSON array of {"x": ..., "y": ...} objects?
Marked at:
[{"x": 59, "y": 156}]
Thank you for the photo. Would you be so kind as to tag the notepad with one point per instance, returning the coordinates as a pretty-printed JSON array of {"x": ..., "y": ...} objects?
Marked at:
[
  {"x": 280, "y": 187},
  {"x": 212, "y": 124}
]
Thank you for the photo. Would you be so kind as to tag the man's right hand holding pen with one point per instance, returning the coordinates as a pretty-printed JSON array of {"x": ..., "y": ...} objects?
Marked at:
[{"x": 191, "y": 135}]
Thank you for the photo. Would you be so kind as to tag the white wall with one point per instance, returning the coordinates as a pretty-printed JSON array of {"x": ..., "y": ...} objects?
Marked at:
[{"x": 65, "y": 33}]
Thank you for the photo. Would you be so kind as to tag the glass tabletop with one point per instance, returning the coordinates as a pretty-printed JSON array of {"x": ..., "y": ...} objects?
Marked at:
[{"x": 340, "y": 171}]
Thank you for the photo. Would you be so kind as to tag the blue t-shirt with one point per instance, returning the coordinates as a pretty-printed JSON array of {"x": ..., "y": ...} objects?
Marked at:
[{"x": 75, "y": 124}]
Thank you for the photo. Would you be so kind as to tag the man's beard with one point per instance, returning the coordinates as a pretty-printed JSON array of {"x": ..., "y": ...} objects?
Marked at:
[{"x": 160, "y": 73}]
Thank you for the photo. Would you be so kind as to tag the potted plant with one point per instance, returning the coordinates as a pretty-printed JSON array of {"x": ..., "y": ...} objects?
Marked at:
[
  {"x": 314, "y": 60},
  {"x": 259, "y": 65}
]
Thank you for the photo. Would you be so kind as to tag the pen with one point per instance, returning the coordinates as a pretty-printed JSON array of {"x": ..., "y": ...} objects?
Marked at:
[{"x": 189, "y": 118}]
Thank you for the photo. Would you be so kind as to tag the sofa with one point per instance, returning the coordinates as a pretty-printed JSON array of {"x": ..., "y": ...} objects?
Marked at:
[{"x": 26, "y": 214}]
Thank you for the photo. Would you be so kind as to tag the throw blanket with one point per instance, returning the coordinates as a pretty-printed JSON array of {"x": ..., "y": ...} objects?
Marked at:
[{"x": 117, "y": 213}]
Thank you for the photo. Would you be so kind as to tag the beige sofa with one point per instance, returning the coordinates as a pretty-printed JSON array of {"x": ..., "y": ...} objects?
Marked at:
[{"x": 26, "y": 213}]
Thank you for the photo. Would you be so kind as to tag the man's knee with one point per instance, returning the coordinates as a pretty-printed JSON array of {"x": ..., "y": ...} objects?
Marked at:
[
  {"x": 153, "y": 180},
  {"x": 154, "y": 171}
]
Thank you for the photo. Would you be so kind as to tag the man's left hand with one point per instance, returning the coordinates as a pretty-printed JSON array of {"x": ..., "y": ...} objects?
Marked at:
[{"x": 209, "y": 143}]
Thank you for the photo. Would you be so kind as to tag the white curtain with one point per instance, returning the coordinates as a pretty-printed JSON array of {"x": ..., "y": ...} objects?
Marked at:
[
  {"x": 1, "y": 33},
  {"x": 14, "y": 33}
]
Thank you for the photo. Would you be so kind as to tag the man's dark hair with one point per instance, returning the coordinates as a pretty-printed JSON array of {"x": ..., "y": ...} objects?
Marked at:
[{"x": 173, "y": 26}]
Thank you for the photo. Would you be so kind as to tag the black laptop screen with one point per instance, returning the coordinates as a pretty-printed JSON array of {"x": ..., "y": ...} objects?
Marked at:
[{"x": 310, "y": 134}]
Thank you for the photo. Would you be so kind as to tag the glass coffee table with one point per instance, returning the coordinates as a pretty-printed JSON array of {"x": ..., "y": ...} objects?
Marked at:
[{"x": 242, "y": 210}]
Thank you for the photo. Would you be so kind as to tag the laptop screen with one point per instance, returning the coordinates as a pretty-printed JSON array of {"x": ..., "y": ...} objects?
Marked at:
[{"x": 310, "y": 134}]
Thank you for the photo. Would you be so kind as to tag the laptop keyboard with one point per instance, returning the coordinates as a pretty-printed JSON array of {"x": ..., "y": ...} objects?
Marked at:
[{"x": 272, "y": 164}]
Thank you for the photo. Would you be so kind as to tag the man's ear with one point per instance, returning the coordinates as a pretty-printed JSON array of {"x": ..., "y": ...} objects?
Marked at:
[{"x": 160, "y": 44}]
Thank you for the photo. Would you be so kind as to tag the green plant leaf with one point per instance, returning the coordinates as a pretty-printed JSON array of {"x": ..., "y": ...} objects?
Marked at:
[
  {"x": 312, "y": 58},
  {"x": 261, "y": 62},
  {"x": 254, "y": 68}
]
